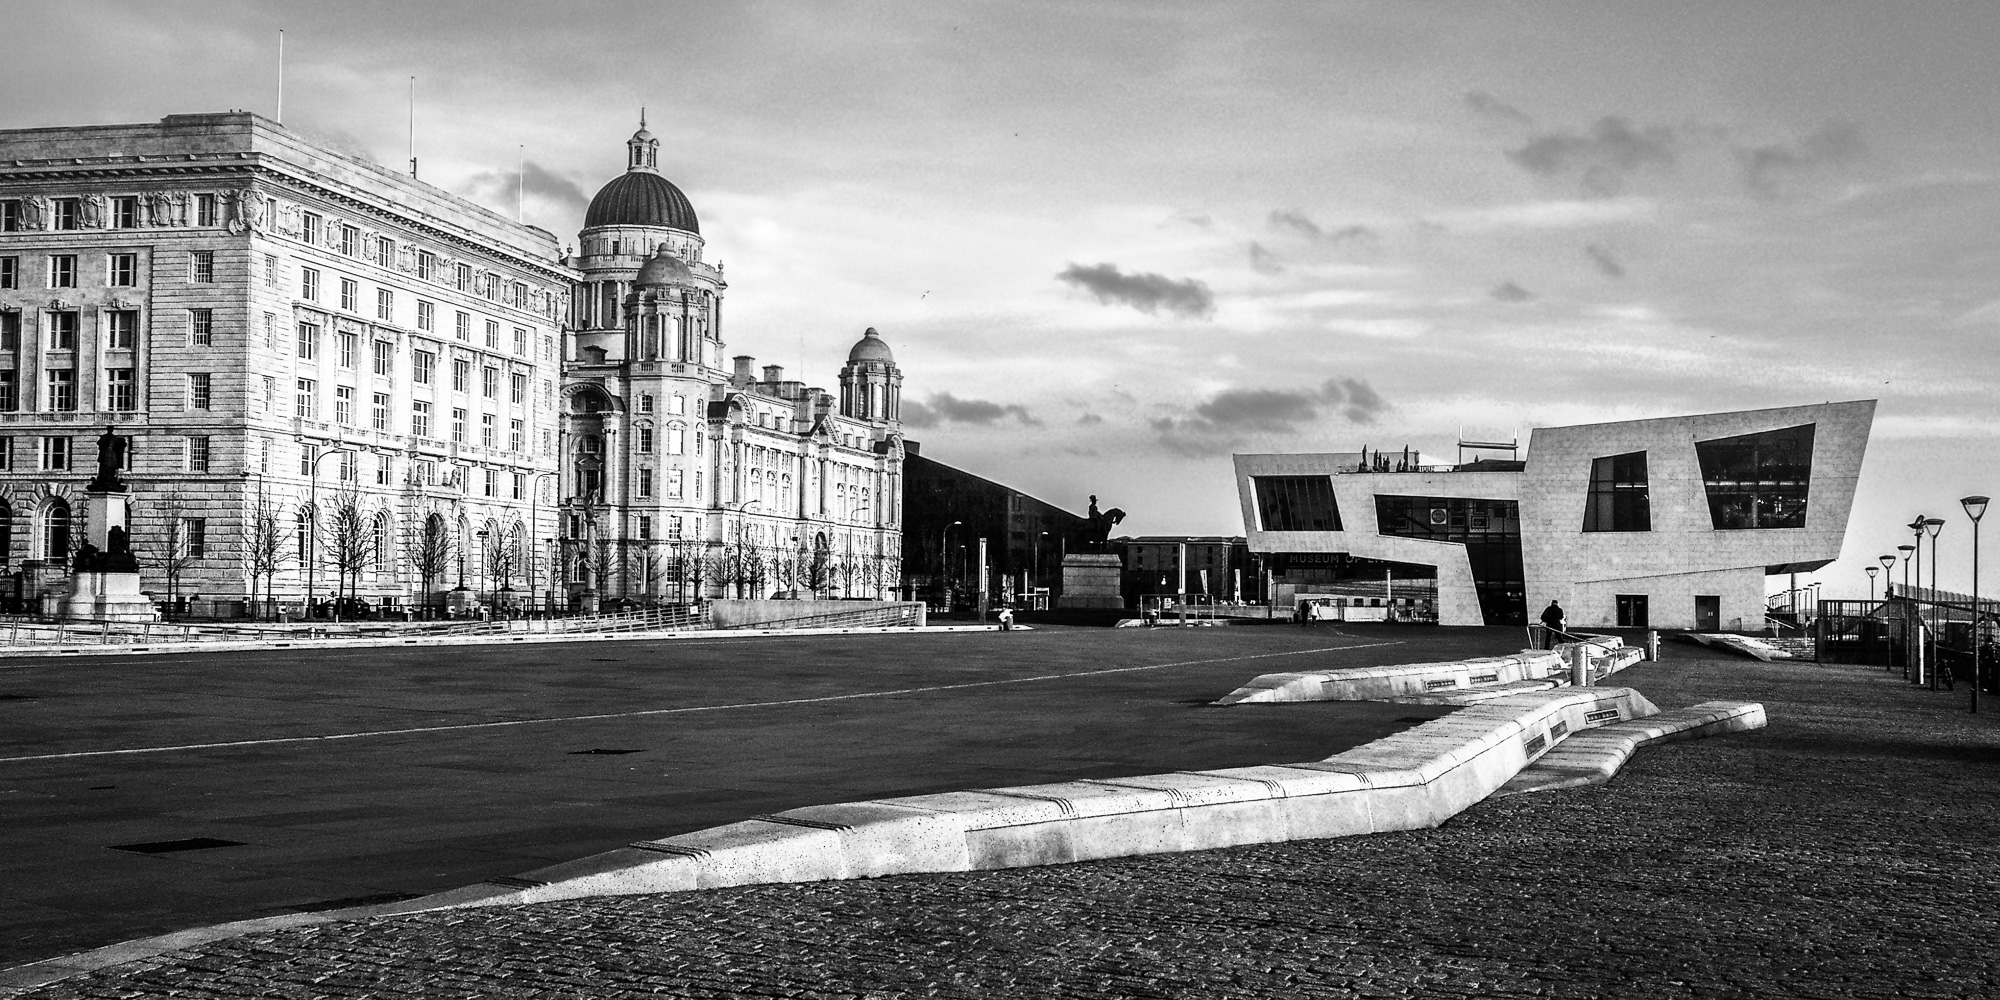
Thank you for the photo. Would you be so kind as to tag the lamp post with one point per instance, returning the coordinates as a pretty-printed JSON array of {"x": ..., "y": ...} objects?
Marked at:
[
  {"x": 1975, "y": 508},
  {"x": 1917, "y": 526},
  {"x": 1931, "y": 526},
  {"x": 944, "y": 541},
  {"x": 534, "y": 525},
  {"x": 485, "y": 559},
  {"x": 312, "y": 539},
  {"x": 1871, "y": 571},
  {"x": 1888, "y": 563},
  {"x": 1038, "y": 563}
]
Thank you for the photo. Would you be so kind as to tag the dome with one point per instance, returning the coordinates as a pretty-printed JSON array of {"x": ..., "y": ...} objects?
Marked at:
[
  {"x": 871, "y": 347},
  {"x": 663, "y": 268},
  {"x": 640, "y": 197}
]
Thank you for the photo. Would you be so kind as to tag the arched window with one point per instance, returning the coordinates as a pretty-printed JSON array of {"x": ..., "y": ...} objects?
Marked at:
[
  {"x": 55, "y": 530},
  {"x": 303, "y": 531},
  {"x": 384, "y": 555}
]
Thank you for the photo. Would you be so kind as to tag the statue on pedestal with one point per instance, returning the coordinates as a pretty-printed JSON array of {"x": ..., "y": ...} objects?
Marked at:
[
  {"x": 110, "y": 457},
  {"x": 1098, "y": 533}
]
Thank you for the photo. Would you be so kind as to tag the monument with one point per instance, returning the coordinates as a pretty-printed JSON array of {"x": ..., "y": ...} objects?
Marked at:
[
  {"x": 104, "y": 575},
  {"x": 1093, "y": 577}
]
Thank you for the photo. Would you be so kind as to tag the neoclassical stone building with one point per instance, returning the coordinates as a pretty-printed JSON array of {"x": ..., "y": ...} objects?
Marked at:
[{"x": 687, "y": 472}]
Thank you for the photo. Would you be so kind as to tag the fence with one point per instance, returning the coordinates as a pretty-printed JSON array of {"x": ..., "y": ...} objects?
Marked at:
[{"x": 1888, "y": 634}]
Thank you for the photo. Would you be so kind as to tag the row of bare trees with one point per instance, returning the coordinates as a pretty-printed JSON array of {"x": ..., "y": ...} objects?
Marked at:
[{"x": 684, "y": 569}]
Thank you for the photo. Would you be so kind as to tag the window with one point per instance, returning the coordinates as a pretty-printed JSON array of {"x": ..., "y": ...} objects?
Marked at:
[
  {"x": 197, "y": 454},
  {"x": 516, "y": 436},
  {"x": 307, "y": 401},
  {"x": 385, "y": 251},
  {"x": 198, "y": 390},
  {"x": 461, "y": 375},
  {"x": 308, "y": 341},
  {"x": 486, "y": 430},
  {"x": 426, "y": 265},
  {"x": 518, "y": 389},
  {"x": 10, "y": 331},
  {"x": 674, "y": 527},
  {"x": 10, "y": 390},
  {"x": 55, "y": 454},
  {"x": 350, "y": 241},
  {"x": 645, "y": 402},
  {"x": 62, "y": 389},
  {"x": 422, "y": 364},
  {"x": 427, "y": 316},
  {"x": 1618, "y": 500},
  {"x": 458, "y": 425},
  {"x": 463, "y": 327},
  {"x": 384, "y": 469},
  {"x": 548, "y": 348},
  {"x": 201, "y": 327},
  {"x": 308, "y": 459},
  {"x": 678, "y": 405},
  {"x": 350, "y": 345},
  {"x": 385, "y": 358},
  {"x": 264, "y": 456},
  {"x": 420, "y": 419},
  {"x": 121, "y": 393},
  {"x": 64, "y": 215},
  {"x": 309, "y": 284},
  {"x": 7, "y": 454},
  {"x": 463, "y": 277},
  {"x": 492, "y": 482},
  {"x": 343, "y": 404},
  {"x": 123, "y": 271},
  {"x": 1296, "y": 503},
  {"x": 492, "y": 335},
  {"x": 204, "y": 210},
  {"x": 673, "y": 484},
  {"x": 645, "y": 528},
  {"x": 270, "y": 270},
  {"x": 124, "y": 212},
  {"x": 62, "y": 270},
  {"x": 270, "y": 331},
  {"x": 645, "y": 440},
  {"x": 194, "y": 536},
  {"x": 425, "y": 473},
  {"x": 350, "y": 295},
  {"x": 10, "y": 272},
  {"x": 520, "y": 341},
  {"x": 385, "y": 304},
  {"x": 121, "y": 329},
  {"x": 676, "y": 440},
  {"x": 1758, "y": 480},
  {"x": 311, "y": 228},
  {"x": 350, "y": 464},
  {"x": 270, "y": 392},
  {"x": 489, "y": 286},
  {"x": 62, "y": 331},
  {"x": 645, "y": 483},
  {"x": 489, "y": 383},
  {"x": 520, "y": 486},
  {"x": 381, "y": 411},
  {"x": 204, "y": 267},
  {"x": 10, "y": 216}
]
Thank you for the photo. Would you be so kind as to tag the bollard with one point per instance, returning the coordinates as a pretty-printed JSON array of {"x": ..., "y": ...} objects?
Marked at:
[
  {"x": 1653, "y": 646},
  {"x": 1579, "y": 664}
]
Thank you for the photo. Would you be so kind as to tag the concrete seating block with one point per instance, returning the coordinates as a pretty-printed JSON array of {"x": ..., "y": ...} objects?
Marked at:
[
  {"x": 621, "y": 872},
  {"x": 1045, "y": 843},
  {"x": 979, "y": 810},
  {"x": 882, "y": 839},
  {"x": 1296, "y": 779},
  {"x": 757, "y": 851},
  {"x": 1332, "y": 814}
]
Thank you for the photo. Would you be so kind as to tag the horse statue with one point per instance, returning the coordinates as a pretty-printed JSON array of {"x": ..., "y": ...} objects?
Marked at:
[{"x": 1099, "y": 524}]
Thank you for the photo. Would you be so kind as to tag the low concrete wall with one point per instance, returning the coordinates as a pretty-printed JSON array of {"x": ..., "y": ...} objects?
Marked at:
[
  {"x": 1414, "y": 779},
  {"x": 738, "y": 613},
  {"x": 1592, "y": 758},
  {"x": 1376, "y": 683}
]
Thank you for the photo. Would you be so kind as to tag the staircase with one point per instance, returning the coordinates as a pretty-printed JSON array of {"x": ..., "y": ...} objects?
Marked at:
[{"x": 1799, "y": 646}]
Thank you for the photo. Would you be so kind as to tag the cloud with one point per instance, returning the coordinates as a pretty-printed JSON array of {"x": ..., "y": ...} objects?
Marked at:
[
  {"x": 536, "y": 181},
  {"x": 1493, "y": 107},
  {"x": 1765, "y": 168},
  {"x": 1089, "y": 420},
  {"x": 1508, "y": 291},
  {"x": 943, "y": 408},
  {"x": 1220, "y": 422},
  {"x": 1298, "y": 222},
  {"x": 1607, "y": 265},
  {"x": 1264, "y": 261},
  {"x": 1146, "y": 292},
  {"x": 1603, "y": 156}
]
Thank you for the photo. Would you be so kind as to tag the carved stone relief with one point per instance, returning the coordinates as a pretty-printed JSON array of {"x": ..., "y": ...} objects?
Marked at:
[{"x": 90, "y": 211}]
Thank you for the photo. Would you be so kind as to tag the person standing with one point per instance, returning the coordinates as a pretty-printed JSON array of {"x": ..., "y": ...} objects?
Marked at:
[{"x": 1552, "y": 623}]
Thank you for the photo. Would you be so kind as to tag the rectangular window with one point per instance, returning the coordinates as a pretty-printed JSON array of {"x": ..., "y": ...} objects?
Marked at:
[
  {"x": 674, "y": 481},
  {"x": 204, "y": 267},
  {"x": 62, "y": 270},
  {"x": 463, "y": 327},
  {"x": 516, "y": 436},
  {"x": 124, "y": 212},
  {"x": 271, "y": 270},
  {"x": 427, "y": 316},
  {"x": 645, "y": 483},
  {"x": 204, "y": 210},
  {"x": 426, "y": 265},
  {"x": 385, "y": 305},
  {"x": 490, "y": 287},
  {"x": 349, "y": 465},
  {"x": 64, "y": 216},
  {"x": 489, "y": 383},
  {"x": 312, "y": 228},
  {"x": 350, "y": 241},
  {"x": 645, "y": 440},
  {"x": 520, "y": 486},
  {"x": 197, "y": 454},
  {"x": 492, "y": 335},
  {"x": 1618, "y": 498},
  {"x": 10, "y": 331},
  {"x": 121, "y": 393},
  {"x": 309, "y": 284},
  {"x": 463, "y": 279},
  {"x": 201, "y": 327},
  {"x": 10, "y": 216},
  {"x": 62, "y": 390},
  {"x": 677, "y": 405},
  {"x": 308, "y": 459},
  {"x": 10, "y": 272},
  {"x": 6, "y": 454},
  {"x": 123, "y": 270},
  {"x": 518, "y": 389},
  {"x": 1758, "y": 480},
  {"x": 350, "y": 295},
  {"x": 548, "y": 348},
  {"x": 461, "y": 375},
  {"x": 270, "y": 331},
  {"x": 645, "y": 528},
  {"x": 307, "y": 402},
  {"x": 55, "y": 454},
  {"x": 381, "y": 411},
  {"x": 385, "y": 358},
  {"x": 10, "y": 390},
  {"x": 519, "y": 295},
  {"x": 194, "y": 530},
  {"x": 1296, "y": 503},
  {"x": 62, "y": 331},
  {"x": 385, "y": 470},
  {"x": 520, "y": 341},
  {"x": 492, "y": 482},
  {"x": 458, "y": 425},
  {"x": 343, "y": 404},
  {"x": 270, "y": 392},
  {"x": 674, "y": 527},
  {"x": 422, "y": 365},
  {"x": 121, "y": 329},
  {"x": 308, "y": 341},
  {"x": 385, "y": 251},
  {"x": 264, "y": 456},
  {"x": 420, "y": 419},
  {"x": 487, "y": 430},
  {"x": 350, "y": 345},
  {"x": 198, "y": 390}
]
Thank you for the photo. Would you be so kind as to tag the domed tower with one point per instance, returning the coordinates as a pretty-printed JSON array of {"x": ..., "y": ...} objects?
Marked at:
[{"x": 871, "y": 386}]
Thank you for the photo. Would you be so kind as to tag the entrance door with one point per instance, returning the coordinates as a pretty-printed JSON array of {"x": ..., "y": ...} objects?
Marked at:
[
  {"x": 1707, "y": 613},
  {"x": 1632, "y": 610}
]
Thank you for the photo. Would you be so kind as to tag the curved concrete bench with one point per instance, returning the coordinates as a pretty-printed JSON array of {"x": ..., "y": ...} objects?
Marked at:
[
  {"x": 1593, "y": 758},
  {"x": 1378, "y": 683},
  {"x": 1414, "y": 779}
]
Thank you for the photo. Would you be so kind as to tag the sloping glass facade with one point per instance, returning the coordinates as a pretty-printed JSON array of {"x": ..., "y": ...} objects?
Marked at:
[
  {"x": 1618, "y": 499},
  {"x": 1490, "y": 530},
  {"x": 1296, "y": 503},
  {"x": 1758, "y": 480}
]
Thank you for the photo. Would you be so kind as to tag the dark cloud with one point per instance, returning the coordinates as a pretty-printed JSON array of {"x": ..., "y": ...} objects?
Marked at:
[
  {"x": 1298, "y": 222},
  {"x": 1508, "y": 291},
  {"x": 535, "y": 181},
  {"x": 1601, "y": 156},
  {"x": 1146, "y": 292},
  {"x": 1765, "y": 168},
  {"x": 1218, "y": 423},
  {"x": 1264, "y": 261},
  {"x": 1607, "y": 265},
  {"x": 1493, "y": 107},
  {"x": 945, "y": 408},
  {"x": 1089, "y": 420}
]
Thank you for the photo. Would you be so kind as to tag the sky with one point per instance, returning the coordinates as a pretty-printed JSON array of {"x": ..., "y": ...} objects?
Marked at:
[{"x": 1113, "y": 243}]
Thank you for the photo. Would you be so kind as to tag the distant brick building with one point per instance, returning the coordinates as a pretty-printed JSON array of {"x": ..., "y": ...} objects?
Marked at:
[{"x": 949, "y": 510}]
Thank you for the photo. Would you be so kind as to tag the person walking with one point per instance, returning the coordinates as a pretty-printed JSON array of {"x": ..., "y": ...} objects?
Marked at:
[{"x": 1552, "y": 623}]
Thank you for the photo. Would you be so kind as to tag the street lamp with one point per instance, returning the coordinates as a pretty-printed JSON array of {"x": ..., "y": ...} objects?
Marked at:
[
  {"x": 312, "y": 539},
  {"x": 1931, "y": 526},
  {"x": 1975, "y": 508},
  {"x": 943, "y": 548},
  {"x": 1871, "y": 571},
  {"x": 1888, "y": 563},
  {"x": 485, "y": 559}
]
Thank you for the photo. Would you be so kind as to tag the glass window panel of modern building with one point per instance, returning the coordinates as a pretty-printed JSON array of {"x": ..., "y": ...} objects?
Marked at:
[
  {"x": 1490, "y": 530},
  {"x": 1618, "y": 499},
  {"x": 1297, "y": 503},
  {"x": 1758, "y": 480}
]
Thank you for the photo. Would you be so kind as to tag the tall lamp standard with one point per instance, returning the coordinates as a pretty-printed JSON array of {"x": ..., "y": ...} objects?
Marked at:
[
  {"x": 1871, "y": 571},
  {"x": 1975, "y": 508},
  {"x": 1917, "y": 526},
  {"x": 312, "y": 539},
  {"x": 1906, "y": 550},
  {"x": 1931, "y": 526},
  {"x": 944, "y": 538},
  {"x": 1888, "y": 563}
]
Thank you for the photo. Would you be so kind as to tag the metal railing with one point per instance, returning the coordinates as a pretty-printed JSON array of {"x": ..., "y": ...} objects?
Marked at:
[{"x": 897, "y": 615}]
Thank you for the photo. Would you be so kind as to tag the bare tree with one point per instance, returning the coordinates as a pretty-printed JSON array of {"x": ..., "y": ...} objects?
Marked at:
[
  {"x": 756, "y": 570},
  {"x": 653, "y": 560},
  {"x": 264, "y": 536},
  {"x": 431, "y": 547},
  {"x": 503, "y": 550},
  {"x": 349, "y": 539},
  {"x": 166, "y": 545},
  {"x": 819, "y": 568}
]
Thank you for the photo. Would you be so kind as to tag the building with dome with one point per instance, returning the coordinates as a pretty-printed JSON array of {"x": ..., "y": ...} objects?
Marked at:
[{"x": 687, "y": 473}]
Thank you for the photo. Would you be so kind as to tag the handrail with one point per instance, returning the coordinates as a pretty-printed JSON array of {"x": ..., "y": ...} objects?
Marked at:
[
  {"x": 1779, "y": 623},
  {"x": 1594, "y": 640},
  {"x": 859, "y": 618}
]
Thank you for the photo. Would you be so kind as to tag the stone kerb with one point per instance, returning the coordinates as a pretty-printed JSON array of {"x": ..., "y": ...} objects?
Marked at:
[
  {"x": 1414, "y": 779},
  {"x": 1376, "y": 683}
]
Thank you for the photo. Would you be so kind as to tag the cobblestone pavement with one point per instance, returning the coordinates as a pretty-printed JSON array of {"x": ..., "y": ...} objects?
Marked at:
[{"x": 1845, "y": 851}]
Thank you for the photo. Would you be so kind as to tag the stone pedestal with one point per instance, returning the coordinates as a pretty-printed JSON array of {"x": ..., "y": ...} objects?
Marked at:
[
  {"x": 111, "y": 597},
  {"x": 1092, "y": 580},
  {"x": 108, "y": 588}
]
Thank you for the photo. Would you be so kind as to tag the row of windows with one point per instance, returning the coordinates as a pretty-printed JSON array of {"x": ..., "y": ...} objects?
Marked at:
[
  {"x": 385, "y": 311},
  {"x": 54, "y": 453},
  {"x": 120, "y": 211},
  {"x": 120, "y": 328},
  {"x": 381, "y": 250},
  {"x": 423, "y": 364},
  {"x": 120, "y": 270}
]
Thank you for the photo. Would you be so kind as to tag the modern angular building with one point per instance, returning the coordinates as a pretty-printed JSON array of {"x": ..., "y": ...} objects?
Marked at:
[{"x": 1668, "y": 523}]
